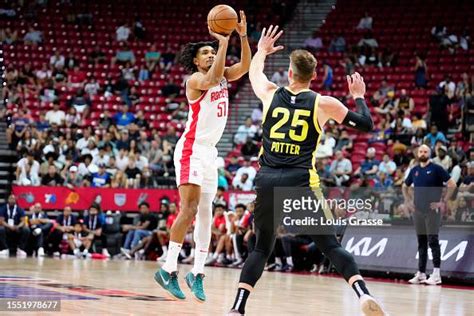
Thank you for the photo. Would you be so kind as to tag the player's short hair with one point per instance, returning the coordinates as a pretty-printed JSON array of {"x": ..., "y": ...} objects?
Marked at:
[
  {"x": 189, "y": 52},
  {"x": 303, "y": 64}
]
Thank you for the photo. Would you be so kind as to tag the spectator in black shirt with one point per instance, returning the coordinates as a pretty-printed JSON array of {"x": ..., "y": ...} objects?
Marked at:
[
  {"x": 13, "y": 225},
  {"x": 167, "y": 59},
  {"x": 171, "y": 89},
  {"x": 52, "y": 178},
  {"x": 133, "y": 173},
  {"x": 93, "y": 223},
  {"x": 249, "y": 149},
  {"x": 439, "y": 110},
  {"x": 141, "y": 121},
  {"x": 97, "y": 56},
  {"x": 146, "y": 224}
]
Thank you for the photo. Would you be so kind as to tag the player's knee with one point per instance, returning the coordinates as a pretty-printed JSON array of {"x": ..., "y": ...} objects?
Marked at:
[{"x": 189, "y": 210}]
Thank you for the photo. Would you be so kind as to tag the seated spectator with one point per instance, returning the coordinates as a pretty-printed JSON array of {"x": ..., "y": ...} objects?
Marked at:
[
  {"x": 368, "y": 40},
  {"x": 52, "y": 178},
  {"x": 435, "y": 136},
  {"x": 448, "y": 86},
  {"x": 92, "y": 87},
  {"x": 404, "y": 102},
  {"x": 344, "y": 143},
  {"x": 143, "y": 73},
  {"x": 167, "y": 59},
  {"x": 40, "y": 226},
  {"x": 128, "y": 71},
  {"x": 248, "y": 169},
  {"x": 139, "y": 29},
  {"x": 245, "y": 131},
  {"x": 56, "y": 115},
  {"x": 124, "y": 117},
  {"x": 171, "y": 89},
  {"x": 71, "y": 62},
  {"x": 49, "y": 93},
  {"x": 439, "y": 31},
  {"x": 66, "y": 221},
  {"x": 365, "y": 22},
  {"x": 340, "y": 170},
  {"x": 280, "y": 77},
  {"x": 72, "y": 118},
  {"x": 132, "y": 173},
  {"x": 13, "y": 228},
  {"x": 27, "y": 170},
  {"x": 313, "y": 43},
  {"x": 249, "y": 149},
  {"x": 124, "y": 55},
  {"x": 78, "y": 240},
  {"x": 59, "y": 75},
  {"x": 77, "y": 78},
  {"x": 57, "y": 60},
  {"x": 73, "y": 179},
  {"x": 382, "y": 181},
  {"x": 338, "y": 44},
  {"x": 465, "y": 40},
  {"x": 123, "y": 32},
  {"x": 101, "y": 179},
  {"x": 257, "y": 114},
  {"x": 369, "y": 167},
  {"x": 86, "y": 167},
  {"x": 97, "y": 56},
  {"x": 33, "y": 37},
  {"x": 171, "y": 138},
  {"x": 152, "y": 57},
  {"x": 27, "y": 142},
  {"x": 387, "y": 165},
  {"x": 387, "y": 58},
  {"x": 93, "y": 224},
  {"x": 450, "y": 42},
  {"x": 144, "y": 228},
  {"x": 219, "y": 236},
  {"x": 81, "y": 103},
  {"x": 383, "y": 90},
  {"x": 119, "y": 180},
  {"x": 327, "y": 77},
  {"x": 44, "y": 73},
  {"x": 8, "y": 37},
  {"x": 442, "y": 158}
]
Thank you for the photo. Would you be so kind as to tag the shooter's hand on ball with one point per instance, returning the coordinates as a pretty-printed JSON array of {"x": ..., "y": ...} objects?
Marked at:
[{"x": 221, "y": 38}]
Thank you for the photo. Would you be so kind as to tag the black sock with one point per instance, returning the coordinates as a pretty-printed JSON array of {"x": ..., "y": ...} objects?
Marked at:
[
  {"x": 241, "y": 300},
  {"x": 360, "y": 288}
]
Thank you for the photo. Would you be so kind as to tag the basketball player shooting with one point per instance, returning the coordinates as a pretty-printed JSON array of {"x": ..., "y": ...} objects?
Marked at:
[
  {"x": 293, "y": 120},
  {"x": 196, "y": 153}
]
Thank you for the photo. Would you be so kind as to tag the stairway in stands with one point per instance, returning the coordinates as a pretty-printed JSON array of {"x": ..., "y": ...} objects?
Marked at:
[
  {"x": 309, "y": 16},
  {"x": 7, "y": 164}
]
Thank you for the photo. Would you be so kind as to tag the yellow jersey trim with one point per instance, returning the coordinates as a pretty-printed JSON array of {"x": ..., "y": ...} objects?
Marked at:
[
  {"x": 315, "y": 114},
  {"x": 296, "y": 93}
]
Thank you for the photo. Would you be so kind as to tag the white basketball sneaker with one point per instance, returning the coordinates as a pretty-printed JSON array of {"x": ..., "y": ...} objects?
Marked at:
[
  {"x": 434, "y": 279},
  {"x": 370, "y": 307},
  {"x": 419, "y": 278}
]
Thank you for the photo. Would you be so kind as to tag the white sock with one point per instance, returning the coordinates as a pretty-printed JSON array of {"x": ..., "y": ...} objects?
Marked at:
[
  {"x": 228, "y": 257},
  {"x": 289, "y": 261},
  {"x": 216, "y": 255},
  {"x": 436, "y": 271},
  {"x": 278, "y": 260},
  {"x": 165, "y": 250},
  {"x": 199, "y": 261},
  {"x": 221, "y": 257},
  {"x": 171, "y": 263},
  {"x": 183, "y": 253}
]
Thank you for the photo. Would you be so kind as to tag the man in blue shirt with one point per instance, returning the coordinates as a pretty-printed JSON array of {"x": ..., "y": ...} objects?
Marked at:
[
  {"x": 434, "y": 136},
  {"x": 13, "y": 226},
  {"x": 428, "y": 180},
  {"x": 124, "y": 118},
  {"x": 101, "y": 179}
]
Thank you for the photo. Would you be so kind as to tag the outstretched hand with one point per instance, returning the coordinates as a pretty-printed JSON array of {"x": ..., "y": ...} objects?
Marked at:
[
  {"x": 356, "y": 85},
  {"x": 268, "y": 39},
  {"x": 242, "y": 25}
]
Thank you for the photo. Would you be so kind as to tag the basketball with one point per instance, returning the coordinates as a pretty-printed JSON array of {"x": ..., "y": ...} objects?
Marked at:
[{"x": 222, "y": 19}]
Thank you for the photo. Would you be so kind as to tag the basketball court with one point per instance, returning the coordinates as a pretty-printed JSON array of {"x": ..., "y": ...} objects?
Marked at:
[{"x": 94, "y": 287}]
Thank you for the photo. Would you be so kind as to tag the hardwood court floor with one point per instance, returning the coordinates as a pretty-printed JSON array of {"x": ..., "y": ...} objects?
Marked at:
[{"x": 92, "y": 287}]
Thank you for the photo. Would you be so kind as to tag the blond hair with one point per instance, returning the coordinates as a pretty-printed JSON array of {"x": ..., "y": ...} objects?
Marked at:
[{"x": 303, "y": 64}]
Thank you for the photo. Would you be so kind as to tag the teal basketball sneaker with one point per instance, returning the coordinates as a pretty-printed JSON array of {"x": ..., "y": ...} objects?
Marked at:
[{"x": 169, "y": 282}]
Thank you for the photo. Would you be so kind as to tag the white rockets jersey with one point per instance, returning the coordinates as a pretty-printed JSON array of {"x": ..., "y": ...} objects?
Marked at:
[{"x": 207, "y": 115}]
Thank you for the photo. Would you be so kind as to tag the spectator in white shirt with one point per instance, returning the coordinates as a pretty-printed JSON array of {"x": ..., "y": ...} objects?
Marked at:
[
  {"x": 280, "y": 77},
  {"x": 27, "y": 171},
  {"x": 101, "y": 158},
  {"x": 44, "y": 73},
  {"x": 121, "y": 161},
  {"x": 123, "y": 32},
  {"x": 341, "y": 169},
  {"x": 56, "y": 115},
  {"x": 387, "y": 165},
  {"x": 84, "y": 140},
  {"x": 242, "y": 183},
  {"x": 365, "y": 23},
  {"x": 244, "y": 131},
  {"x": 248, "y": 169},
  {"x": 86, "y": 167},
  {"x": 448, "y": 85},
  {"x": 92, "y": 87},
  {"x": 57, "y": 60},
  {"x": 442, "y": 158}
]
